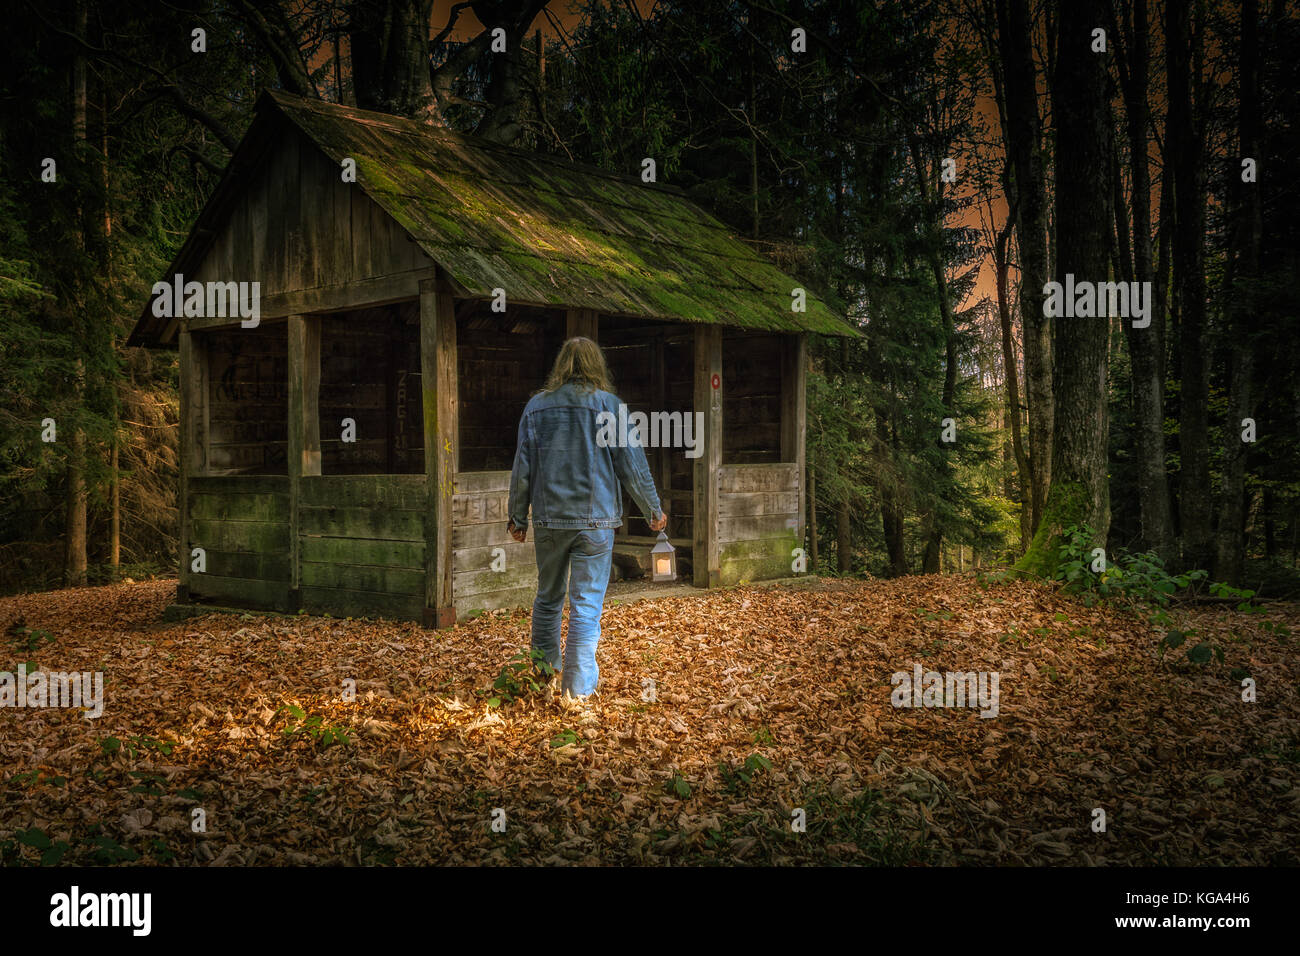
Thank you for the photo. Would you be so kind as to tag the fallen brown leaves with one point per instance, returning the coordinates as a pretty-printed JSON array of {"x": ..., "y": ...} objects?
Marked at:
[{"x": 1090, "y": 717}]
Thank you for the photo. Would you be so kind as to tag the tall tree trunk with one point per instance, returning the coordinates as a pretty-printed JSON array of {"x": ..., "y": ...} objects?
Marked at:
[
  {"x": 115, "y": 497},
  {"x": 389, "y": 40},
  {"x": 115, "y": 521},
  {"x": 1080, "y": 106},
  {"x": 1185, "y": 135},
  {"x": 843, "y": 526},
  {"x": 1230, "y": 552},
  {"x": 1024, "y": 146},
  {"x": 1001, "y": 267},
  {"x": 1146, "y": 345},
  {"x": 891, "y": 517},
  {"x": 843, "y": 541},
  {"x": 932, "y": 212},
  {"x": 1164, "y": 266},
  {"x": 74, "y": 556}
]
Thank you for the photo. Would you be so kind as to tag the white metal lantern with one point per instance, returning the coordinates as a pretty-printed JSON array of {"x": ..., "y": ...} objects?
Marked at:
[{"x": 663, "y": 560}]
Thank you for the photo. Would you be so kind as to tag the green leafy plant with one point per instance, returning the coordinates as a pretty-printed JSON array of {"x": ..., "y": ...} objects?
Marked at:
[
  {"x": 107, "y": 850},
  {"x": 29, "y": 639},
  {"x": 132, "y": 747},
  {"x": 566, "y": 737},
  {"x": 677, "y": 786},
  {"x": 313, "y": 726},
  {"x": 36, "y": 778},
  {"x": 1137, "y": 577},
  {"x": 929, "y": 615},
  {"x": 160, "y": 850},
  {"x": 1221, "y": 590},
  {"x": 112, "y": 746},
  {"x": 52, "y": 851},
  {"x": 1201, "y": 653},
  {"x": 738, "y": 778},
  {"x": 149, "y": 783},
  {"x": 528, "y": 672}
]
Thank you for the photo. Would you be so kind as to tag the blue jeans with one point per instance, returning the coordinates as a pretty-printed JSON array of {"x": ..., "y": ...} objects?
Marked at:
[{"x": 577, "y": 560}]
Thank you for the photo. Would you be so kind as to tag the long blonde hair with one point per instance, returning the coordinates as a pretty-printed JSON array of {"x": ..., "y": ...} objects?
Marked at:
[{"x": 582, "y": 362}]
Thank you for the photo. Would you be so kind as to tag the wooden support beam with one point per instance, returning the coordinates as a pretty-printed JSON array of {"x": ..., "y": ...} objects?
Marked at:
[
  {"x": 794, "y": 416},
  {"x": 379, "y": 290},
  {"x": 669, "y": 330},
  {"x": 706, "y": 560},
  {"x": 582, "y": 322},
  {"x": 661, "y": 460},
  {"x": 187, "y": 440},
  {"x": 193, "y": 397},
  {"x": 304, "y": 395},
  {"x": 304, "y": 456},
  {"x": 441, "y": 407}
]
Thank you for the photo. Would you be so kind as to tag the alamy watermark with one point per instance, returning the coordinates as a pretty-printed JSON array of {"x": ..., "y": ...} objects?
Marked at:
[
  {"x": 53, "y": 689},
  {"x": 208, "y": 299},
  {"x": 75, "y": 908},
  {"x": 1083, "y": 299},
  {"x": 949, "y": 689},
  {"x": 656, "y": 430}
]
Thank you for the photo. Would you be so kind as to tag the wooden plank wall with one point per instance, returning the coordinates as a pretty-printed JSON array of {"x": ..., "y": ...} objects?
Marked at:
[
  {"x": 751, "y": 407},
  {"x": 653, "y": 370},
  {"x": 479, "y": 516},
  {"x": 676, "y": 476},
  {"x": 758, "y": 514},
  {"x": 242, "y": 523},
  {"x": 502, "y": 359},
  {"x": 362, "y": 544},
  {"x": 370, "y": 372},
  {"x": 247, "y": 400},
  {"x": 710, "y": 393},
  {"x": 299, "y": 227}
]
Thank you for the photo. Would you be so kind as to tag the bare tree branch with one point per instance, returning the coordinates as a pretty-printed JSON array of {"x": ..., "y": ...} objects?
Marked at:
[
  {"x": 167, "y": 87},
  {"x": 278, "y": 36}
]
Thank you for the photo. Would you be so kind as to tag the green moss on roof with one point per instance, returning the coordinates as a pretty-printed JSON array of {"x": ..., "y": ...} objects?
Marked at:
[{"x": 553, "y": 233}]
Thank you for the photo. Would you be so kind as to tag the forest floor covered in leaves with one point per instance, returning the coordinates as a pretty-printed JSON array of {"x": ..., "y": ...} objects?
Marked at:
[{"x": 766, "y": 700}]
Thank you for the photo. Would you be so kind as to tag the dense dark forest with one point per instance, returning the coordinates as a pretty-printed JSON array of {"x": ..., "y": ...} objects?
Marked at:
[{"x": 932, "y": 169}]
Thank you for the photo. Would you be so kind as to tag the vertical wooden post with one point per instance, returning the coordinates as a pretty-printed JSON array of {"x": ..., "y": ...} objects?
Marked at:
[
  {"x": 441, "y": 407},
  {"x": 794, "y": 416},
  {"x": 193, "y": 397},
  {"x": 584, "y": 322},
  {"x": 185, "y": 394},
  {"x": 660, "y": 459},
  {"x": 706, "y": 559},
  {"x": 304, "y": 456}
]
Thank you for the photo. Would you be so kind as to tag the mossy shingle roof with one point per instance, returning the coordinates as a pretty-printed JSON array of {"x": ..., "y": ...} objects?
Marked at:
[{"x": 551, "y": 232}]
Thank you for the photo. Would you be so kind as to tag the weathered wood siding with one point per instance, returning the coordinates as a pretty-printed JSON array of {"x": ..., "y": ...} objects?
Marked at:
[
  {"x": 361, "y": 544},
  {"x": 242, "y": 524},
  {"x": 298, "y": 227},
  {"x": 370, "y": 372},
  {"x": 242, "y": 428},
  {"x": 751, "y": 400},
  {"x": 653, "y": 371},
  {"x": 501, "y": 360},
  {"x": 479, "y": 516},
  {"x": 758, "y": 513}
]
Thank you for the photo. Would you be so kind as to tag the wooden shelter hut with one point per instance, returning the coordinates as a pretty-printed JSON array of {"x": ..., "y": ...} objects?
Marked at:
[{"x": 349, "y": 451}]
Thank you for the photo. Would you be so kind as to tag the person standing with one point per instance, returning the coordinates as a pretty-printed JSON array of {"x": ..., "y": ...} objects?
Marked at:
[{"x": 572, "y": 485}]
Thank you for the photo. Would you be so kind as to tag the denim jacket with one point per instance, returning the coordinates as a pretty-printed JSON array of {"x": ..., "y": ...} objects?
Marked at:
[{"x": 570, "y": 481}]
